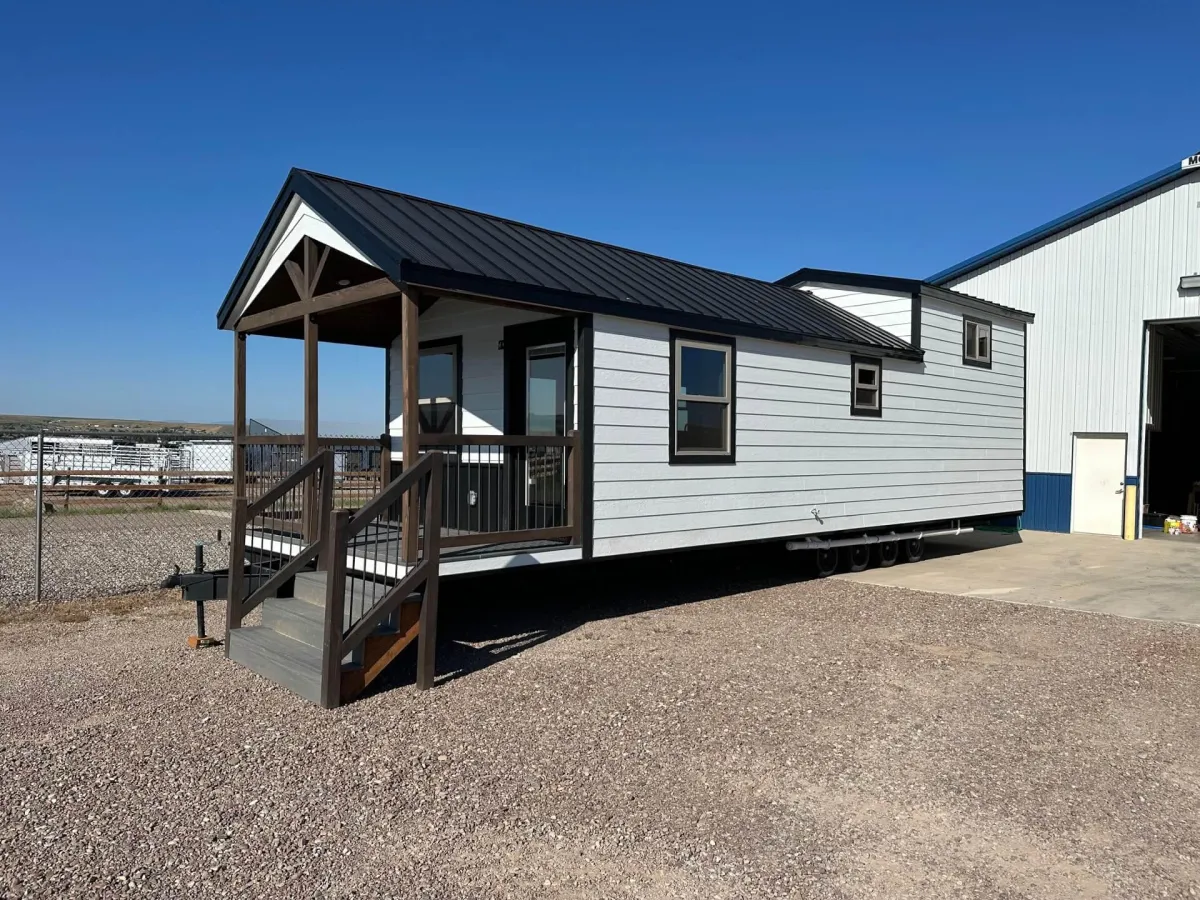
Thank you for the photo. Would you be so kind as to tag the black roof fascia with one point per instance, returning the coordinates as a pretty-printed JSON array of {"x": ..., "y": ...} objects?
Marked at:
[
  {"x": 517, "y": 292},
  {"x": 851, "y": 279},
  {"x": 900, "y": 286}
]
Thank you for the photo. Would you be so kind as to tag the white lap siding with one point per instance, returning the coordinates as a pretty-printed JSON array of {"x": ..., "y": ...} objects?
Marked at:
[
  {"x": 889, "y": 310},
  {"x": 948, "y": 445}
]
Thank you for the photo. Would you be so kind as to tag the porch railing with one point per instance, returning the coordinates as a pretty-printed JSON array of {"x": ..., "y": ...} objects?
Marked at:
[
  {"x": 367, "y": 533},
  {"x": 276, "y": 521},
  {"x": 509, "y": 489},
  {"x": 359, "y": 465}
]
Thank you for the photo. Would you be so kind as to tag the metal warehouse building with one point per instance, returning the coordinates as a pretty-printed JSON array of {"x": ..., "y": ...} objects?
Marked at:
[{"x": 1113, "y": 419}]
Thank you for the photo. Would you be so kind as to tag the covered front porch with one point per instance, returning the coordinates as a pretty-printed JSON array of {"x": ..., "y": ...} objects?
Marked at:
[{"x": 489, "y": 384}]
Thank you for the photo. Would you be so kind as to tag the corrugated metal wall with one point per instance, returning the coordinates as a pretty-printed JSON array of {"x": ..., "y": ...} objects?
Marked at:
[{"x": 1092, "y": 287}]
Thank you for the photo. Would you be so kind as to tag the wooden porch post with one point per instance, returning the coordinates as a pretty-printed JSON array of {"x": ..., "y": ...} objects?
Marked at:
[
  {"x": 237, "y": 530},
  {"x": 239, "y": 414},
  {"x": 410, "y": 351},
  {"x": 311, "y": 525}
]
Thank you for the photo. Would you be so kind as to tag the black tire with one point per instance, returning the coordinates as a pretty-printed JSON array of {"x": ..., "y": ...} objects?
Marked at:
[
  {"x": 914, "y": 549},
  {"x": 888, "y": 553},
  {"x": 104, "y": 490},
  {"x": 826, "y": 561},
  {"x": 860, "y": 557},
  {"x": 124, "y": 492}
]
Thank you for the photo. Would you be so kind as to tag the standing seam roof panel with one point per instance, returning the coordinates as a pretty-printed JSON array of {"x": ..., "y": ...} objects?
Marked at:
[
  {"x": 637, "y": 285},
  {"x": 457, "y": 240},
  {"x": 374, "y": 213},
  {"x": 501, "y": 260}
]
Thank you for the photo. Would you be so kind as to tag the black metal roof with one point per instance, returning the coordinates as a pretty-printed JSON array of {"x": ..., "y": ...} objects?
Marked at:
[
  {"x": 435, "y": 245},
  {"x": 867, "y": 282}
]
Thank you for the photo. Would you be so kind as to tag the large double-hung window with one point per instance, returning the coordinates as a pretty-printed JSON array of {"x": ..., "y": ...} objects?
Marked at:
[{"x": 703, "y": 415}]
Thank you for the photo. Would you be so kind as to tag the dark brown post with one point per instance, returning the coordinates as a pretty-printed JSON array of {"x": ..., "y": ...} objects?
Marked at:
[
  {"x": 427, "y": 640},
  {"x": 325, "y": 508},
  {"x": 334, "y": 552},
  {"x": 385, "y": 462},
  {"x": 239, "y": 415},
  {"x": 237, "y": 563},
  {"x": 311, "y": 525},
  {"x": 575, "y": 487},
  {"x": 410, "y": 352}
]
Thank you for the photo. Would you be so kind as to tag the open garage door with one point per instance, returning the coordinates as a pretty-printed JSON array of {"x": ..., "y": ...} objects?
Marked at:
[{"x": 1172, "y": 465}]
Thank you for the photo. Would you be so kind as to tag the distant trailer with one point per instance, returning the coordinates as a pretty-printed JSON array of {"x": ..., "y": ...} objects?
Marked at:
[
  {"x": 103, "y": 464},
  {"x": 204, "y": 462}
]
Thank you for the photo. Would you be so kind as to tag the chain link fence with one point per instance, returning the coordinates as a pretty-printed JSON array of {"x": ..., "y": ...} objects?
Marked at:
[{"x": 92, "y": 514}]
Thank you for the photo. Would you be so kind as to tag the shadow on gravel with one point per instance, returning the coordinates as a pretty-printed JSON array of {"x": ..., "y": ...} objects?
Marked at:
[{"x": 487, "y": 618}]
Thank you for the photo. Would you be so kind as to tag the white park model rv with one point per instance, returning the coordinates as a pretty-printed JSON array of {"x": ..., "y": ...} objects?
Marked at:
[
  {"x": 553, "y": 399},
  {"x": 593, "y": 401}
]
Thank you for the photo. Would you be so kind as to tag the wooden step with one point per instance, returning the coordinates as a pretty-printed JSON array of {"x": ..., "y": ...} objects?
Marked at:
[
  {"x": 380, "y": 649},
  {"x": 278, "y": 658}
]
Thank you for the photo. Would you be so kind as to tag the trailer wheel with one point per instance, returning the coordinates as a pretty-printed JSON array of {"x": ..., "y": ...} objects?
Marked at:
[
  {"x": 104, "y": 489},
  {"x": 860, "y": 557},
  {"x": 827, "y": 562},
  {"x": 889, "y": 553},
  {"x": 914, "y": 549},
  {"x": 125, "y": 492}
]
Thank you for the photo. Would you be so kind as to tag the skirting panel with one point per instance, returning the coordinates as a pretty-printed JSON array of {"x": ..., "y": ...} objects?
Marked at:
[{"x": 1047, "y": 502}]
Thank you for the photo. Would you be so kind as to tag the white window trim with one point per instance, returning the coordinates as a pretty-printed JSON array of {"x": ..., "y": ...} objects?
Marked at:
[
  {"x": 677, "y": 345},
  {"x": 971, "y": 354},
  {"x": 858, "y": 365}
]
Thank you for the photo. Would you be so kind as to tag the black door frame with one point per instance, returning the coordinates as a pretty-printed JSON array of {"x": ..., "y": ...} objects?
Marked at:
[{"x": 517, "y": 340}]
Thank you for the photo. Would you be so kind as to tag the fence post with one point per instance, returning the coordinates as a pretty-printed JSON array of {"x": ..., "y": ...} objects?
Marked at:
[{"x": 37, "y": 514}]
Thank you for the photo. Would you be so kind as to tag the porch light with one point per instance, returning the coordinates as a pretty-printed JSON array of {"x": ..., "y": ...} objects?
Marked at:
[{"x": 343, "y": 282}]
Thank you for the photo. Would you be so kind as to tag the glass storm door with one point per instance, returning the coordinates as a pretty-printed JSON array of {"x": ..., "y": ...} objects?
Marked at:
[{"x": 545, "y": 415}]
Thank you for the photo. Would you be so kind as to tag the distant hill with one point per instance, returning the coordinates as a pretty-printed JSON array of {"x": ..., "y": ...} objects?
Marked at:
[{"x": 32, "y": 424}]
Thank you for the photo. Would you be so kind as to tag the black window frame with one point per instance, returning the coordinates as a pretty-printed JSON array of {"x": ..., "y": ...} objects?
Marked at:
[
  {"x": 976, "y": 362},
  {"x": 875, "y": 362},
  {"x": 440, "y": 343},
  {"x": 702, "y": 457}
]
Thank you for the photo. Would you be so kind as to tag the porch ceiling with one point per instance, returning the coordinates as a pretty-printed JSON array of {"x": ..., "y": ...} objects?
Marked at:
[{"x": 374, "y": 324}]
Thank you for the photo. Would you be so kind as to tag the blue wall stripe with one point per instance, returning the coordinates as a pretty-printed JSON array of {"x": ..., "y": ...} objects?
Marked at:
[
  {"x": 1131, "y": 480},
  {"x": 1047, "y": 502}
]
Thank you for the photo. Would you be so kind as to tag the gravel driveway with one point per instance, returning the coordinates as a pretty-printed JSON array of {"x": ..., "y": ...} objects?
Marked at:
[{"x": 697, "y": 737}]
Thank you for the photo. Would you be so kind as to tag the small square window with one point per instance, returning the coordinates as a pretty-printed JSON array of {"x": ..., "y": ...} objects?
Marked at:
[
  {"x": 866, "y": 397},
  {"x": 977, "y": 342}
]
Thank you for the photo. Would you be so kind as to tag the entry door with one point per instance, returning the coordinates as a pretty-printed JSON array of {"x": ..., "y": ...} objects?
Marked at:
[
  {"x": 538, "y": 362},
  {"x": 1098, "y": 484},
  {"x": 545, "y": 415}
]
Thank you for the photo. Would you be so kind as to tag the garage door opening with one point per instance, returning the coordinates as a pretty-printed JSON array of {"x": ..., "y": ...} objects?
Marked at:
[{"x": 1172, "y": 469}]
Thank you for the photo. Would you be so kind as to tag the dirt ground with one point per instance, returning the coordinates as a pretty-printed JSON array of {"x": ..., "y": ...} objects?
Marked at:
[{"x": 713, "y": 732}]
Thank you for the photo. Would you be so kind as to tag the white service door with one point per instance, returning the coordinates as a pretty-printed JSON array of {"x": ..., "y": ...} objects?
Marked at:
[{"x": 1098, "y": 485}]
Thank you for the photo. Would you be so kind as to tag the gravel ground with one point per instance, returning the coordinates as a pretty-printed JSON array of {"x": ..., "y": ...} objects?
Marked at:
[
  {"x": 99, "y": 554},
  {"x": 697, "y": 737}
]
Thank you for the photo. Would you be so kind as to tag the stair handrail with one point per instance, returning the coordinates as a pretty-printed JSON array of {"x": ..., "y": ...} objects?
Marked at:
[
  {"x": 341, "y": 530},
  {"x": 237, "y": 606}
]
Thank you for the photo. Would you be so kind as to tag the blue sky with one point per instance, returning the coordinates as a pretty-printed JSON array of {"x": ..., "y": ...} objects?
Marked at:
[{"x": 142, "y": 145}]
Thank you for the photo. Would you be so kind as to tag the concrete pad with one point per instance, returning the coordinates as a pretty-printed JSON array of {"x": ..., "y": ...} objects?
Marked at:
[{"x": 1146, "y": 579}]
